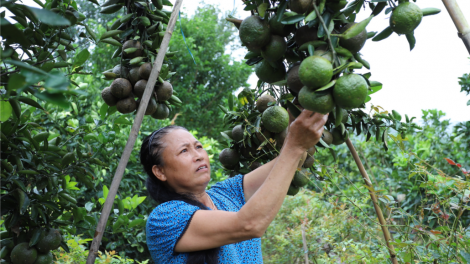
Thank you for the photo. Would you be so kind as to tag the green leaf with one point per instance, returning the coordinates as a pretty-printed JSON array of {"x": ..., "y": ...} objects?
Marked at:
[
  {"x": 327, "y": 86},
  {"x": 289, "y": 20},
  {"x": 374, "y": 87},
  {"x": 12, "y": 33},
  {"x": 311, "y": 16},
  {"x": 356, "y": 28},
  {"x": 37, "y": 233},
  {"x": 122, "y": 120},
  {"x": 280, "y": 83},
  {"x": 16, "y": 81},
  {"x": 384, "y": 34},
  {"x": 26, "y": 66},
  {"x": 293, "y": 109},
  {"x": 22, "y": 200},
  {"x": 81, "y": 58},
  {"x": 103, "y": 110},
  {"x": 262, "y": 9},
  {"x": 311, "y": 49},
  {"x": 5, "y": 110},
  {"x": 323, "y": 143},
  {"x": 411, "y": 40},
  {"x": 137, "y": 222},
  {"x": 105, "y": 191},
  {"x": 64, "y": 246},
  {"x": 167, "y": 3},
  {"x": 49, "y": 18},
  {"x": 56, "y": 99},
  {"x": 30, "y": 102},
  {"x": 230, "y": 102}
]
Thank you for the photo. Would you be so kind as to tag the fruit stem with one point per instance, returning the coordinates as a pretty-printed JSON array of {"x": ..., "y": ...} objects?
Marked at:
[
  {"x": 378, "y": 211},
  {"x": 336, "y": 62}
]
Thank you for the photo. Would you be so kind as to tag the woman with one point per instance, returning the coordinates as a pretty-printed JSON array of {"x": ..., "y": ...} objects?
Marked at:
[{"x": 225, "y": 223}]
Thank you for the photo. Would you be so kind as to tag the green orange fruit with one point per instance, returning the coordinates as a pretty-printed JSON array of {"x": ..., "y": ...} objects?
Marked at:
[
  {"x": 356, "y": 43},
  {"x": 263, "y": 101},
  {"x": 315, "y": 72},
  {"x": 50, "y": 241},
  {"x": 23, "y": 254},
  {"x": 405, "y": 18},
  {"x": 254, "y": 32},
  {"x": 320, "y": 102},
  {"x": 267, "y": 73},
  {"x": 350, "y": 91},
  {"x": 275, "y": 119},
  {"x": 275, "y": 49},
  {"x": 229, "y": 158}
]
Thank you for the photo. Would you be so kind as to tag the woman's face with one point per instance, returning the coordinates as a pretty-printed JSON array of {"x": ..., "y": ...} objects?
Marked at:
[{"x": 186, "y": 164}]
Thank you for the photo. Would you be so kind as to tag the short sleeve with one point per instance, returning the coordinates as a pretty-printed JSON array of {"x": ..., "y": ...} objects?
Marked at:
[
  {"x": 165, "y": 226},
  {"x": 231, "y": 189}
]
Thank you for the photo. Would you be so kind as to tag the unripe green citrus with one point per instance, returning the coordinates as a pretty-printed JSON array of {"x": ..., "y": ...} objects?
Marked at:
[
  {"x": 337, "y": 137},
  {"x": 315, "y": 72},
  {"x": 350, "y": 91},
  {"x": 275, "y": 49},
  {"x": 229, "y": 158},
  {"x": 275, "y": 119},
  {"x": 254, "y": 32},
  {"x": 320, "y": 102},
  {"x": 356, "y": 43},
  {"x": 237, "y": 133},
  {"x": 270, "y": 74},
  {"x": 405, "y": 18}
]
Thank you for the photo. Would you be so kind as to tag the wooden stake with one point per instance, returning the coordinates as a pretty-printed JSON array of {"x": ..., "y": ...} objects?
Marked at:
[
  {"x": 304, "y": 242},
  {"x": 378, "y": 211},
  {"x": 459, "y": 20},
  {"x": 157, "y": 66}
]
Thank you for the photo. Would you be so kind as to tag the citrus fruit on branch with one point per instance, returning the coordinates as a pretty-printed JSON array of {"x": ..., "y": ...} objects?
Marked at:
[
  {"x": 138, "y": 36},
  {"x": 307, "y": 59},
  {"x": 315, "y": 71},
  {"x": 405, "y": 18}
]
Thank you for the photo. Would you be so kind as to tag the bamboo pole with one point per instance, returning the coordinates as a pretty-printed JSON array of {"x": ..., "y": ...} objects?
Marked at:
[
  {"x": 378, "y": 211},
  {"x": 459, "y": 20},
  {"x": 304, "y": 243},
  {"x": 157, "y": 66}
]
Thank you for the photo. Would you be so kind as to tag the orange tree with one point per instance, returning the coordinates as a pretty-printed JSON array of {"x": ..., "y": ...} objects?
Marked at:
[{"x": 43, "y": 154}]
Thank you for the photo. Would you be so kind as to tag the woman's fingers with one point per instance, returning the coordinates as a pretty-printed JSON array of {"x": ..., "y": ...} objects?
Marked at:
[{"x": 307, "y": 129}]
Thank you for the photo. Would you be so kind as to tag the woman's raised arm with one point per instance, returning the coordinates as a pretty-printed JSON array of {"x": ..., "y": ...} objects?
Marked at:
[{"x": 211, "y": 229}]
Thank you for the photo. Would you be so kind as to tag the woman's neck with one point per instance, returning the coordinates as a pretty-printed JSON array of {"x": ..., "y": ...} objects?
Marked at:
[{"x": 203, "y": 198}]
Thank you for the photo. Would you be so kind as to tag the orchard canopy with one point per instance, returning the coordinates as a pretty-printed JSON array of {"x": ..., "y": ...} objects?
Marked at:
[{"x": 380, "y": 186}]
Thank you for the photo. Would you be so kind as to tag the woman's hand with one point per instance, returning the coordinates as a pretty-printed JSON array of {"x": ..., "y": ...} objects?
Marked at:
[{"x": 306, "y": 130}]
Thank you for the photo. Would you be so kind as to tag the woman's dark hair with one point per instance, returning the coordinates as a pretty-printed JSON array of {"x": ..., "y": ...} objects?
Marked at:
[{"x": 150, "y": 155}]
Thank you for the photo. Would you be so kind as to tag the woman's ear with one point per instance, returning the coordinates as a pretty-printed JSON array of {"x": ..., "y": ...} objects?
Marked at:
[{"x": 158, "y": 172}]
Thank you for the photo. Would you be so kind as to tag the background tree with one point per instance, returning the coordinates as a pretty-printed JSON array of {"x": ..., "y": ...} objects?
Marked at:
[
  {"x": 464, "y": 82},
  {"x": 202, "y": 87}
]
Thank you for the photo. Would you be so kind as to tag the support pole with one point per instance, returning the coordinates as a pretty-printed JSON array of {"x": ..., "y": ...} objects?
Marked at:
[
  {"x": 157, "y": 66},
  {"x": 459, "y": 20},
  {"x": 304, "y": 243},
  {"x": 378, "y": 211}
]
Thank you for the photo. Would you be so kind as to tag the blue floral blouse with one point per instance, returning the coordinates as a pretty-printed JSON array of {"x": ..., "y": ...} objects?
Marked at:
[{"x": 168, "y": 222}]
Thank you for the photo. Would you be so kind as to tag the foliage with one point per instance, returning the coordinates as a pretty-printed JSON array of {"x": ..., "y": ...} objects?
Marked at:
[
  {"x": 464, "y": 82},
  {"x": 332, "y": 231},
  {"x": 216, "y": 74},
  {"x": 61, "y": 145},
  {"x": 423, "y": 185},
  {"x": 43, "y": 160},
  {"x": 78, "y": 254}
]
